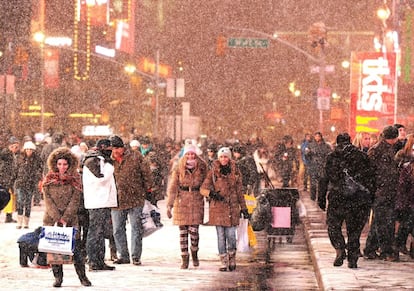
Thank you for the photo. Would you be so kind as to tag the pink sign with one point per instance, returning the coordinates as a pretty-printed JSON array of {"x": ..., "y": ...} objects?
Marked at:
[{"x": 281, "y": 217}]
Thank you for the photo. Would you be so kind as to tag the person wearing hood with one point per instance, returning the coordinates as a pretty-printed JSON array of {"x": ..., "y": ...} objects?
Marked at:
[
  {"x": 62, "y": 187},
  {"x": 99, "y": 191},
  {"x": 353, "y": 210}
]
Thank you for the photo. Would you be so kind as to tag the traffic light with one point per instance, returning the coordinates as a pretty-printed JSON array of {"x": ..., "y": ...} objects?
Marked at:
[{"x": 221, "y": 45}]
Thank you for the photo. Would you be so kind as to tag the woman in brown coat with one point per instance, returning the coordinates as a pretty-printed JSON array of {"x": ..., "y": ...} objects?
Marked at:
[
  {"x": 62, "y": 188},
  {"x": 187, "y": 203},
  {"x": 223, "y": 185}
]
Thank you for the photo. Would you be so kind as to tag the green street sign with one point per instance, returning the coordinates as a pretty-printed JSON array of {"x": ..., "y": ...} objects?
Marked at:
[{"x": 247, "y": 42}]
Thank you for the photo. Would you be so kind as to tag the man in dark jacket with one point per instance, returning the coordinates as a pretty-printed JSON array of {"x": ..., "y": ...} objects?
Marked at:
[
  {"x": 344, "y": 207},
  {"x": 316, "y": 154},
  {"x": 247, "y": 167},
  {"x": 381, "y": 234},
  {"x": 133, "y": 181}
]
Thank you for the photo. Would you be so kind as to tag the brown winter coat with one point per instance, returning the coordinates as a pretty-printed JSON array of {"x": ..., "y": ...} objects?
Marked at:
[
  {"x": 62, "y": 199},
  {"x": 133, "y": 179},
  {"x": 188, "y": 205},
  {"x": 227, "y": 212}
]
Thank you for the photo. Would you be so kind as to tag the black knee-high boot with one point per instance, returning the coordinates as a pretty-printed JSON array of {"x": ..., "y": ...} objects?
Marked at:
[
  {"x": 80, "y": 270},
  {"x": 58, "y": 274}
]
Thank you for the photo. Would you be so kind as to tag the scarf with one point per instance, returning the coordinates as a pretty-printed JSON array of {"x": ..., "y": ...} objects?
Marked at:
[{"x": 53, "y": 178}]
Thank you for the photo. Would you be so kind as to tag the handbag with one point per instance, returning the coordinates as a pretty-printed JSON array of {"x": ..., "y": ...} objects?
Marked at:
[
  {"x": 4, "y": 197},
  {"x": 261, "y": 215},
  {"x": 150, "y": 219},
  {"x": 242, "y": 236},
  {"x": 352, "y": 188},
  {"x": 57, "y": 240},
  {"x": 206, "y": 215}
]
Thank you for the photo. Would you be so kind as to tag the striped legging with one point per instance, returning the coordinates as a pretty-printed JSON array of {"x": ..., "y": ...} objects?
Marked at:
[{"x": 185, "y": 230}]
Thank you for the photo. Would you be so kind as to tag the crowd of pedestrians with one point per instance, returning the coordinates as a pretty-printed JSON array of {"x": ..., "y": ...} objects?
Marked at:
[{"x": 106, "y": 188}]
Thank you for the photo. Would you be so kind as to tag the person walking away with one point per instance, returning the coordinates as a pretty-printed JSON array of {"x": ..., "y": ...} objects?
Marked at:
[
  {"x": 8, "y": 172},
  {"x": 133, "y": 181},
  {"x": 381, "y": 233},
  {"x": 404, "y": 221},
  {"x": 404, "y": 206},
  {"x": 185, "y": 204},
  {"x": 316, "y": 154},
  {"x": 287, "y": 158},
  {"x": 247, "y": 167},
  {"x": 304, "y": 146},
  {"x": 264, "y": 167},
  {"x": 29, "y": 173},
  {"x": 223, "y": 185},
  {"x": 62, "y": 188},
  {"x": 99, "y": 191},
  {"x": 353, "y": 210}
]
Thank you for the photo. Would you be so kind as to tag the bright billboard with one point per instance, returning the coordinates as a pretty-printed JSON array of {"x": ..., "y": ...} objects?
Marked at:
[{"x": 373, "y": 91}]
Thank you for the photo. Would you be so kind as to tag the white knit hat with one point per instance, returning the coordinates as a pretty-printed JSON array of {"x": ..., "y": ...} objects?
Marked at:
[
  {"x": 224, "y": 151},
  {"x": 189, "y": 148},
  {"x": 28, "y": 145},
  {"x": 134, "y": 143}
]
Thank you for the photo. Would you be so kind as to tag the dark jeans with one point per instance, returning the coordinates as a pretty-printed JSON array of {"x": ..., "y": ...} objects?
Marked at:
[
  {"x": 306, "y": 177},
  {"x": 405, "y": 228},
  {"x": 355, "y": 216},
  {"x": 381, "y": 234},
  {"x": 95, "y": 243},
  {"x": 24, "y": 201}
]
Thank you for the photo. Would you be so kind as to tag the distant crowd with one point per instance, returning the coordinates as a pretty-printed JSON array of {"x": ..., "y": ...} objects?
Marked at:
[{"x": 365, "y": 179}]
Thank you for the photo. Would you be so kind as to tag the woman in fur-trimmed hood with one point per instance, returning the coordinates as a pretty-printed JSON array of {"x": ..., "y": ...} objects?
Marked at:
[{"x": 62, "y": 191}]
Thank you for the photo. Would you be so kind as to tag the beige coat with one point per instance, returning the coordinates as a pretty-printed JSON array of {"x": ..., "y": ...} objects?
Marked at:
[{"x": 188, "y": 205}]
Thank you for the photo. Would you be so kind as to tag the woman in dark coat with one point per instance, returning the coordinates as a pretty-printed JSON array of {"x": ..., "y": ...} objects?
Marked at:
[
  {"x": 223, "y": 185},
  {"x": 29, "y": 173},
  {"x": 62, "y": 188},
  {"x": 187, "y": 203}
]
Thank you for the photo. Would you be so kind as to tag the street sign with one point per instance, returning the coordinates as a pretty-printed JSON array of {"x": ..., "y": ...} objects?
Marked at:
[{"x": 247, "y": 42}]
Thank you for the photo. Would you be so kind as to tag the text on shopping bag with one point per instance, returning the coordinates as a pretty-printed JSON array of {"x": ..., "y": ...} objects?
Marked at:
[{"x": 57, "y": 240}]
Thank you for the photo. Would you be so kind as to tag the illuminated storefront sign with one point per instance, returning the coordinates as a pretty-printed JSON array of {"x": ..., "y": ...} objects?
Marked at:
[{"x": 373, "y": 91}]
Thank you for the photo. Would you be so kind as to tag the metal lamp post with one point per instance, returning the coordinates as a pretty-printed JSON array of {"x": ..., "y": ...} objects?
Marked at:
[{"x": 39, "y": 37}]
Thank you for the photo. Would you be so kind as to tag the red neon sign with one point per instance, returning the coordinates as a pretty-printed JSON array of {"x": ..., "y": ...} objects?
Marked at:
[{"x": 373, "y": 91}]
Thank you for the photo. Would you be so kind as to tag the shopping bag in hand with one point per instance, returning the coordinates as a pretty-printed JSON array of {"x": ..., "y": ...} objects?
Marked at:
[{"x": 57, "y": 240}]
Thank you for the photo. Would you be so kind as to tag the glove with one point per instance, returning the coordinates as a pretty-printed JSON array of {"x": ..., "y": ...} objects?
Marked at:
[
  {"x": 322, "y": 204},
  {"x": 245, "y": 214},
  {"x": 216, "y": 196},
  {"x": 169, "y": 214}
]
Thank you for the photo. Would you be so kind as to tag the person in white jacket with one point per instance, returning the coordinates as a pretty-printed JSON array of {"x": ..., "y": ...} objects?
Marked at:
[{"x": 99, "y": 190}]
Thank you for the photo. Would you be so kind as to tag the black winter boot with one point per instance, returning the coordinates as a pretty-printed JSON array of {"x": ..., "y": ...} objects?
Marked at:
[
  {"x": 185, "y": 262},
  {"x": 194, "y": 256},
  {"x": 58, "y": 274},
  {"x": 80, "y": 270},
  {"x": 340, "y": 257}
]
